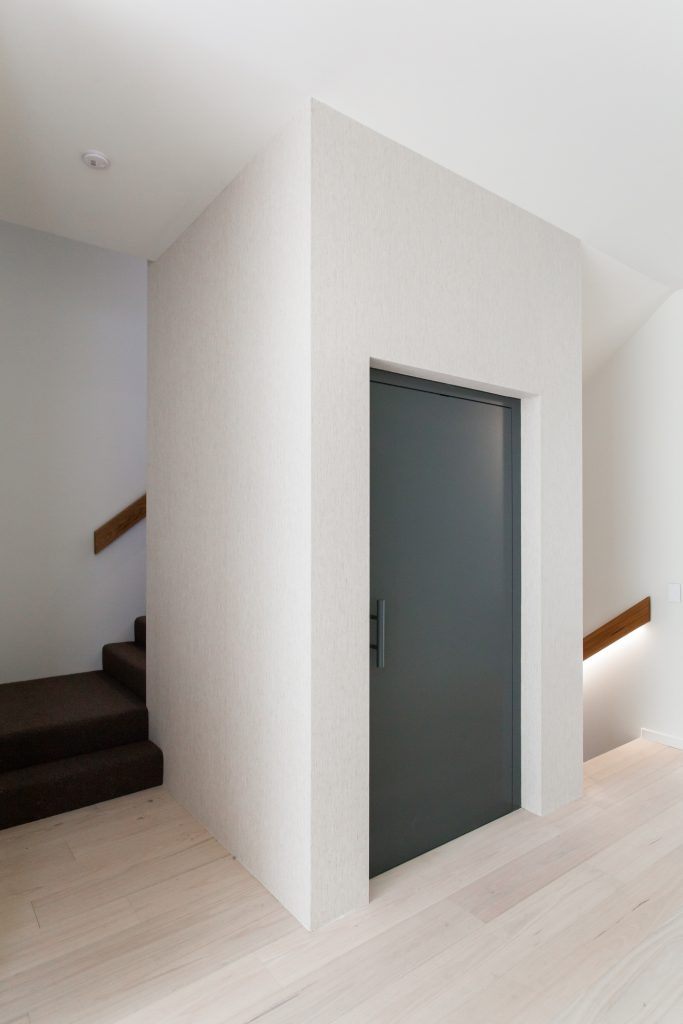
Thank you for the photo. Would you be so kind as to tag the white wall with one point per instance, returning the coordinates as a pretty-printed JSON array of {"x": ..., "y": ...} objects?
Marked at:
[
  {"x": 72, "y": 449},
  {"x": 229, "y": 655},
  {"x": 264, "y": 318},
  {"x": 633, "y": 494},
  {"x": 417, "y": 269}
]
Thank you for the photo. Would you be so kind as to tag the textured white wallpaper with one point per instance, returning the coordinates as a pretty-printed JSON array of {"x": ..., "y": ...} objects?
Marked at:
[{"x": 229, "y": 659}]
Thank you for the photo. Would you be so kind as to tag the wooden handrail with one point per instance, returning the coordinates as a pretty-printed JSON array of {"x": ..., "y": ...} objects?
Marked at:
[
  {"x": 115, "y": 527},
  {"x": 617, "y": 627}
]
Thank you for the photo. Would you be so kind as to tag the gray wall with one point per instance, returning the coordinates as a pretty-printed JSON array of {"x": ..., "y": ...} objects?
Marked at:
[
  {"x": 72, "y": 449},
  {"x": 633, "y": 538},
  {"x": 327, "y": 253}
]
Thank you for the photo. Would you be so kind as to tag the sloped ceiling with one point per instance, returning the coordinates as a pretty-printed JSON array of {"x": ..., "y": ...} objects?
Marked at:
[
  {"x": 571, "y": 110},
  {"x": 617, "y": 301}
]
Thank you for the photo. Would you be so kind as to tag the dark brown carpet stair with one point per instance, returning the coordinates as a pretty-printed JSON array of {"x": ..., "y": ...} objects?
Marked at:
[
  {"x": 57, "y": 786},
  {"x": 48, "y": 719},
  {"x": 126, "y": 662},
  {"x": 68, "y": 741}
]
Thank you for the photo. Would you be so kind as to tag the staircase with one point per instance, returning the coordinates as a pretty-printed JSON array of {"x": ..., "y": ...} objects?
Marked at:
[{"x": 69, "y": 741}]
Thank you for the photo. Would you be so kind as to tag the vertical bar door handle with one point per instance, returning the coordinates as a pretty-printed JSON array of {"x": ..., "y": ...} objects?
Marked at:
[{"x": 381, "y": 619}]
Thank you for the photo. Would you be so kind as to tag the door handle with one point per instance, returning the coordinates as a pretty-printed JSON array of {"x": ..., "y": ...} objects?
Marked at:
[{"x": 381, "y": 619}]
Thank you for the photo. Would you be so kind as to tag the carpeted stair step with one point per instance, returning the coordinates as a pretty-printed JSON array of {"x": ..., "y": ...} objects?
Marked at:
[
  {"x": 126, "y": 662},
  {"x": 73, "y": 740},
  {"x": 141, "y": 631},
  {"x": 42, "y": 790},
  {"x": 62, "y": 716}
]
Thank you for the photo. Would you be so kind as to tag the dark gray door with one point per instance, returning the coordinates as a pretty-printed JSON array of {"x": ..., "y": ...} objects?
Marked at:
[{"x": 444, "y": 708}]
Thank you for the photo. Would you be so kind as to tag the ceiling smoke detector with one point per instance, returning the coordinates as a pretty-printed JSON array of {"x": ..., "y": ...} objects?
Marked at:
[{"x": 93, "y": 158}]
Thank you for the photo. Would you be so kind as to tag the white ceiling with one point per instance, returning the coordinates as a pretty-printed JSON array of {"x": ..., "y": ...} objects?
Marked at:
[{"x": 570, "y": 108}]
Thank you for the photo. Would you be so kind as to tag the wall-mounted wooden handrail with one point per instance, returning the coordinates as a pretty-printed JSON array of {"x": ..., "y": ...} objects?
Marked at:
[
  {"x": 115, "y": 527},
  {"x": 620, "y": 626}
]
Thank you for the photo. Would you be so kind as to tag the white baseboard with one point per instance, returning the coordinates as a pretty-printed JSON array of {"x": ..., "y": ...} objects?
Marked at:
[{"x": 662, "y": 737}]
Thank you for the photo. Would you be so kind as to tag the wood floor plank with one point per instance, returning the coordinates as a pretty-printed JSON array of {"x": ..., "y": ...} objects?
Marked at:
[
  {"x": 327, "y": 992},
  {"x": 613, "y": 761},
  {"x": 406, "y": 890},
  {"x": 228, "y": 991},
  {"x": 142, "y": 844},
  {"x": 113, "y": 817},
  {"x": 16, "y": 912},
  {"x": 29, "y": 870},
  {"x": 646, "y": 985},
  {"x": 501, "y": 889},
  {"x": 130, "y": 913},
  {"x": 143, "y": 963},
  {"x": 484, "y": 847},
  {"x": 22, "y": 950},
  {"x": 578, "y": 954},
  {"x": 620, "y": 785},
  {"x": 125, "y": 878},
  {"x": 446, "y": 982},
  {"x": 216, "y": 881}
]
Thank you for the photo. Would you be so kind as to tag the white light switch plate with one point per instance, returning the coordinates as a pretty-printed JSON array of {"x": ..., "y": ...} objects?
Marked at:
[{"x": 673, "y": 592}]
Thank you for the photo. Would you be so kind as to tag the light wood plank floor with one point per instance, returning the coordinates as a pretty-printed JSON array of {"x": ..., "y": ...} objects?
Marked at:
[{"x": 130, "y": 912}]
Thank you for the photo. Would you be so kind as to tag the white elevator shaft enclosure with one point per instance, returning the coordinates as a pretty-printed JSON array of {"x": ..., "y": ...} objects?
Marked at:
[{"x": 334, "y": 250}]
